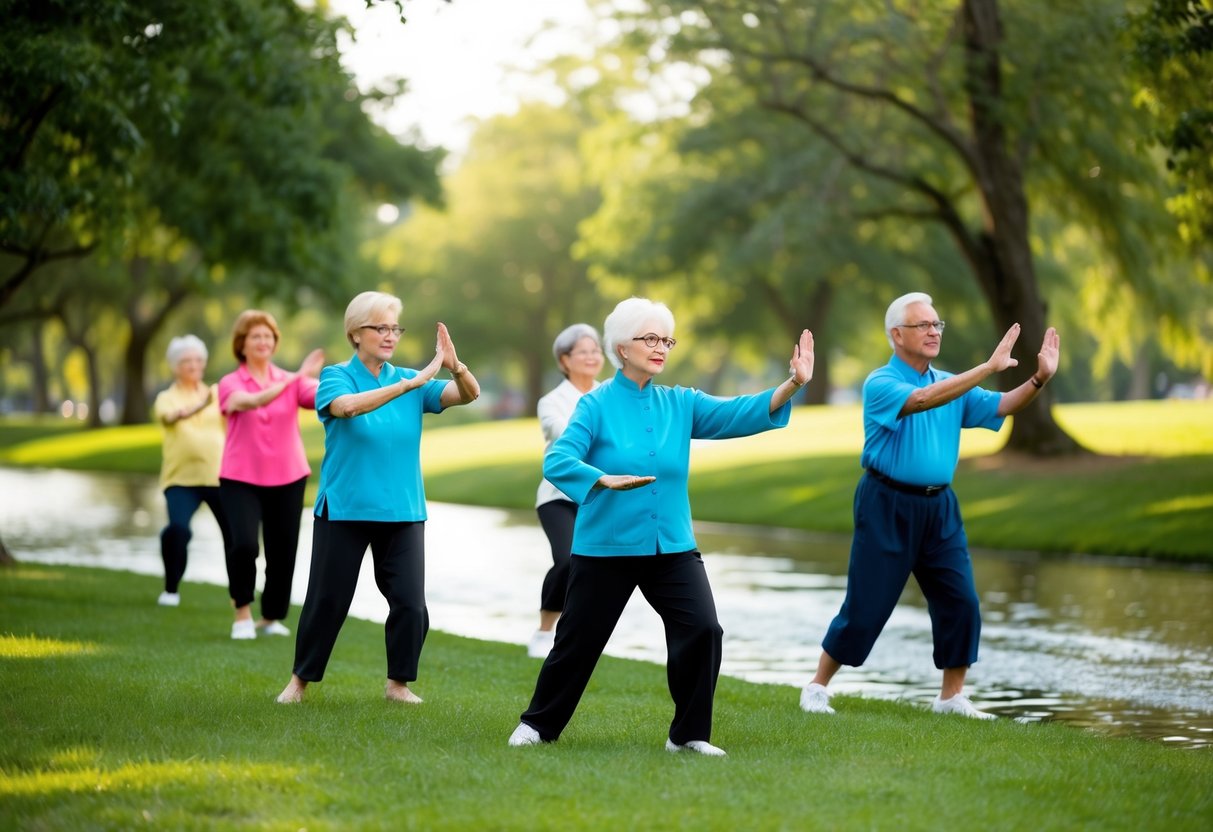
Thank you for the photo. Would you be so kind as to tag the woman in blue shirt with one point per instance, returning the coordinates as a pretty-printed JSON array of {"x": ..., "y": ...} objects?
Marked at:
[
  {"x": 624, "y": 458},
  {"x": 371, "y": 493}
]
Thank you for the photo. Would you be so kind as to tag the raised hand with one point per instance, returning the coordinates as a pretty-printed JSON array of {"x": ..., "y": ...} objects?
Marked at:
[
  {"x": 803, "y": 357},
  {"x": 1001, "y": 358},
  {"x": 312, "y": 364},
  {"x": 1050, "y": 352},
  {"x": 449, "y": 359}
]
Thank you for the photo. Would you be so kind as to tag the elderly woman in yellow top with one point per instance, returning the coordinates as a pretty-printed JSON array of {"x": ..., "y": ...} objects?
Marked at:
[{"x": 188, "y": 411}]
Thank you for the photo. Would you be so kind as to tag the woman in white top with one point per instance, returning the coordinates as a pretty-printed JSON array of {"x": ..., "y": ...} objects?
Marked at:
[{"x": 578, "y": 353}]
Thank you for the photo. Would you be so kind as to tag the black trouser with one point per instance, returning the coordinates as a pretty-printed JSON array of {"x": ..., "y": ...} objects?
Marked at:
[
  {"x": 677, "y": 587},
  {"x": 182, "y": 501},
  {"x": 398, "y": 550},
  {"x": 557, "y": 519},
  {"x": 275, "y": 509}
]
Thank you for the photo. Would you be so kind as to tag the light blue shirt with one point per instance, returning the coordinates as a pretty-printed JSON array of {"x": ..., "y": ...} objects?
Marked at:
[
  {"x": 921, "y": 448},
  {"x": 372, "y": 462},
  {"x": 621, "y": 428}
]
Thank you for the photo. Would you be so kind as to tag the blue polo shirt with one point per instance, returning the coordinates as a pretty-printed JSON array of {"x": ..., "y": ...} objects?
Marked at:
[
  {"x": 922, "y": 448},
  {"x": 372, "y": 463},
  {"x": 621, "y": 428}
]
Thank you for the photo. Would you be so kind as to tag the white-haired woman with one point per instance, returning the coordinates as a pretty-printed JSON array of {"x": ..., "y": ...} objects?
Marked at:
[
  {"x": 188, "y": 412},
  {"x": 578, "y": 353},
  {"x": 625, "y": 457},
  {"x": 371, "y": 493}
]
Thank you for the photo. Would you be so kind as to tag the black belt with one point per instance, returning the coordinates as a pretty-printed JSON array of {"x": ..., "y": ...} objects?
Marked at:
[{"x": 920, "y": 490}]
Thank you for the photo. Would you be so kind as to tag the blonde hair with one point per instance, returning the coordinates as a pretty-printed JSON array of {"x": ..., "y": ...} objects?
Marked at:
[{"x": 367, "y": 306}]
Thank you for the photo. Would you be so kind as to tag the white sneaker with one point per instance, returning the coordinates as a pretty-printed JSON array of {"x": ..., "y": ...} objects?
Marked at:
[
  {"x": 169, "y": 599},
  {"x": 959, "y": 704},
  {"x": 524, "y": 735},
  {"x": 274, "y": 628},
  {"x": 698, "y": 746},
  {"x": 541, "y": 644},
  {"x": 815, "y": 699},
  {"x": 244, "y": 630}
]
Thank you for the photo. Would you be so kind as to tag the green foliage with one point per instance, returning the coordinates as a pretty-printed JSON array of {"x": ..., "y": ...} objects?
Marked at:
[
  {"x": 1173, "y": 52},
  {"x": 496, "y": 265},
  {"x": 158, "y": 718}
]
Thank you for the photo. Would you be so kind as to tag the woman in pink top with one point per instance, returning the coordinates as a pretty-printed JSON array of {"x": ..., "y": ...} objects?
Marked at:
[{"x": 264, "y": 469}]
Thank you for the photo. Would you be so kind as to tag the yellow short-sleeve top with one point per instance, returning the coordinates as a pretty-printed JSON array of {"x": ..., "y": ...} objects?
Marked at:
[{"x": 193, "y": 447}]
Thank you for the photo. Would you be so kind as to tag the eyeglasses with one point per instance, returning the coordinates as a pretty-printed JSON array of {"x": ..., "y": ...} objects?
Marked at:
[
  {"x": 923, "y": 326},
  {"x": 585, "y": 353},
  {"x": 384, "y": 329},
  {"x": 652, "y": 340}
]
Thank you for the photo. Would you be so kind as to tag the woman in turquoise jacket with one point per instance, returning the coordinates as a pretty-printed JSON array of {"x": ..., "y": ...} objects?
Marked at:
[{"x": 624, "y": 458}]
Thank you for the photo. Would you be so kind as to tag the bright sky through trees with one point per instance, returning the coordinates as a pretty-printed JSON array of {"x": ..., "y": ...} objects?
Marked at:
[{"x": 457, "y": 58}]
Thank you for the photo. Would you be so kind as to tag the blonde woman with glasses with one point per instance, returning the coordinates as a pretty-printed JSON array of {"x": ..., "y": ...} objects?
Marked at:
[{"x": 371, "y": 493}]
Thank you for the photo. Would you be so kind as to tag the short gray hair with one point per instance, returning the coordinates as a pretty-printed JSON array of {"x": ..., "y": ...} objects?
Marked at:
[
  {"x": 625, "y": 322},
  {"x": 178, "y": 348},
  {"x": 568, "y": 338},
  {"x": 367, "y": 306},
  {"x": 896, "y": 313}
]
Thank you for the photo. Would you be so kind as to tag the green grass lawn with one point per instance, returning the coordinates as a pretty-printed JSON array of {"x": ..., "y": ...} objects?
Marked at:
[
  {"x": 1148, "y": 492},
  {"x": 118, "y": 714}
]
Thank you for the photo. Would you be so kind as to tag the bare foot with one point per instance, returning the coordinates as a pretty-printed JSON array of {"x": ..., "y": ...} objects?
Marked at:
[
  {"x": 399, "y": 692},
  {"x": 293, "y": 692}
]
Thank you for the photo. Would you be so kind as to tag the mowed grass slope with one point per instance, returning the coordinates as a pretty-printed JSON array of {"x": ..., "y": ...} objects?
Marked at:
[{"x": 119, "y": 714}]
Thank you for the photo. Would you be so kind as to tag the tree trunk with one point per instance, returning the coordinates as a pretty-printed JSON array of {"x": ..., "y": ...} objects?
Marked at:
[
  {"x": 6, "y": 557},
  {"x": 144, "y": 327},
  {"x": 1002, "y": 257},
  {"x": 813, "y": 315},
  {"x": 94, "y": 385},
  {"x": 40, "y": 375}
]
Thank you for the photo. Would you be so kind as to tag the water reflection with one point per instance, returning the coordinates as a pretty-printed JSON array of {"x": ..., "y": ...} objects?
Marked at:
[{"x": 1112, "y": 647}]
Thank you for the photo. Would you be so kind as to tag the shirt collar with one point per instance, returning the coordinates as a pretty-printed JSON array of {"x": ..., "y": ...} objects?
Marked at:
[
  {"x": 631, "y": 386},
  {"x": 909, "y": 373}
]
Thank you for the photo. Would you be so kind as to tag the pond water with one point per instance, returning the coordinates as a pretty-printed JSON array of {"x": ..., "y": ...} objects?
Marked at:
[{"x": 1112, "y": 646}]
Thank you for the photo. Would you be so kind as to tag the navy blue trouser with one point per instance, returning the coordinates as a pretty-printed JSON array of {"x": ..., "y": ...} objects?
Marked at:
[
  {"x": 676, "y": 586},
  {"x": 182, "y": 501},
  {"x": 896, "y": 535},
  {"x": 557, "y": 518},
  {"x": 338, "y": 547}
]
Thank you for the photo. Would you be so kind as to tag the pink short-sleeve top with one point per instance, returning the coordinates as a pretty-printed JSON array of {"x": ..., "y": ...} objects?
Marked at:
[{"x": 263, "y": 445}]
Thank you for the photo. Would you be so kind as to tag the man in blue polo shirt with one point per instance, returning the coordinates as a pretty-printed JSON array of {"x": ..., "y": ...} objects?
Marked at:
[{"x": 907, "y": 520}]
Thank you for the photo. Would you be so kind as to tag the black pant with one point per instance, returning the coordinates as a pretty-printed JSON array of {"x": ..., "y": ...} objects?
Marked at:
[
  {"x": 182, "y": 501},
  {"x": 275, "y": 509},
  {"x": 677, "y": 587},
  {"x": 557, "y": 519},
  {"x": 398, "y": 550}
]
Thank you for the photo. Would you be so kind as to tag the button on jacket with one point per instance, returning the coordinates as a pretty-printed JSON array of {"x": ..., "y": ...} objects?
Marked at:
[{"x": 621, "y": 428}]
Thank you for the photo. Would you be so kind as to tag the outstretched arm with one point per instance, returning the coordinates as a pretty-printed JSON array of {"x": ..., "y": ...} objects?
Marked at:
[{"x": 953, "y": 387}]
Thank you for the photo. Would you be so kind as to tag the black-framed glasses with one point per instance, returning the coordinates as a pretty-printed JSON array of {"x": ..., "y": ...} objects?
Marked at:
[
  {"x": 384, "y": 329},
  {"x": 924, "y": 326},
  {"x": 651, "y": 340}
]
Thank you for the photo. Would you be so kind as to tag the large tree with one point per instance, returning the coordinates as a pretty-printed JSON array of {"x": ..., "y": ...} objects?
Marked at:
[
  {"x": 206, "y": 147},
  {"x": 954, "y": 110}
]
